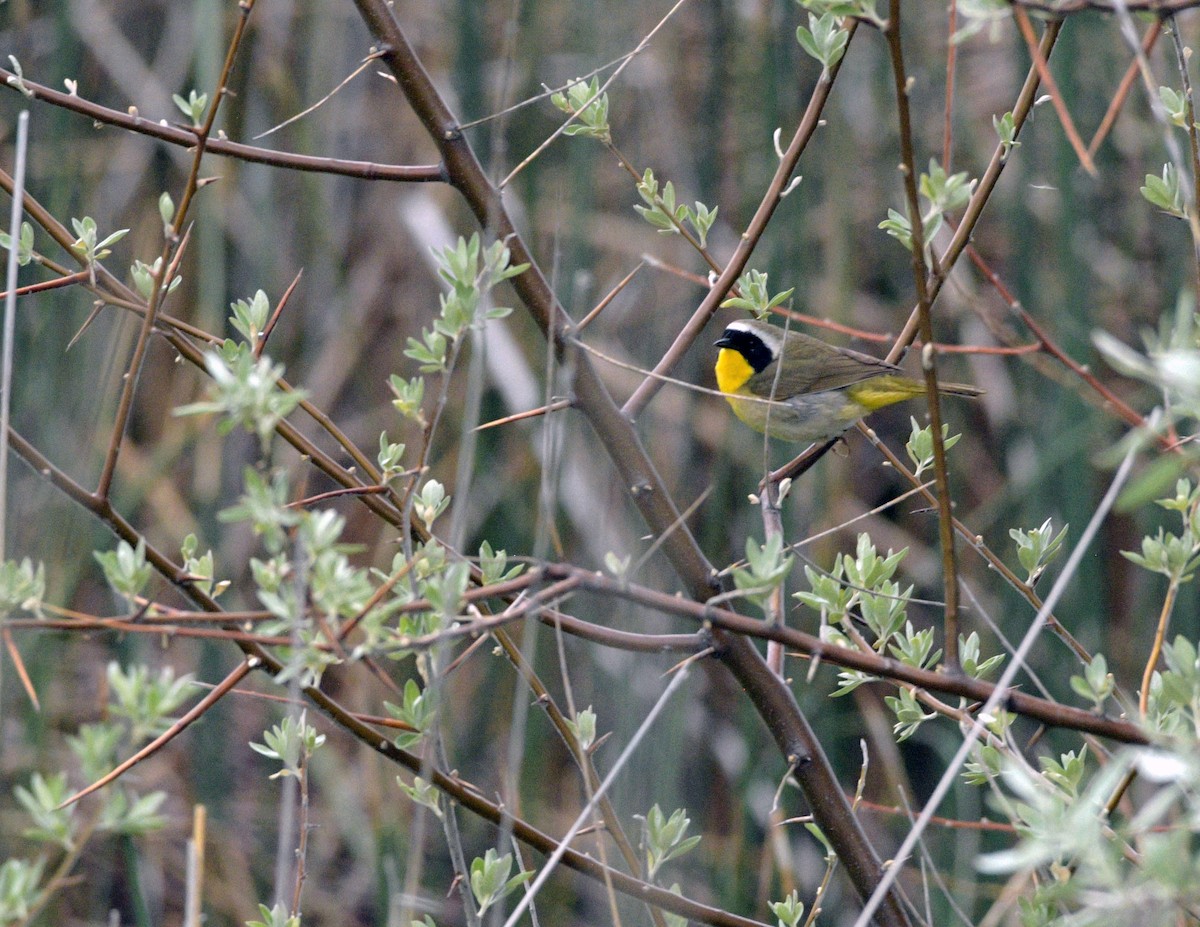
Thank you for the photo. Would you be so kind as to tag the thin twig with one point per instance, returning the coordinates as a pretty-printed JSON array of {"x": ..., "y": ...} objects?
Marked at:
[
  {"x": 1123, "y": 88},
  {"x": 177, "y": 727},
  {"x": 533, "y": 155},
  {"x": 274, "y": 320},
  {"x": 366, "y": 63},
  {"x": 1025, "y": 27},
  {"x": 186, "y": 138},
  {"x": 928, "y": 354}
]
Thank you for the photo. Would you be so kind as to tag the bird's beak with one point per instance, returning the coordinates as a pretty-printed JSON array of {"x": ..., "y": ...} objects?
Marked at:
[{"x": 722, "y": 342}]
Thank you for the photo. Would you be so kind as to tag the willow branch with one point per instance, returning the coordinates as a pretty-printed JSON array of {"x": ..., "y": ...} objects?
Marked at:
[{"x": 186, "y": 138}]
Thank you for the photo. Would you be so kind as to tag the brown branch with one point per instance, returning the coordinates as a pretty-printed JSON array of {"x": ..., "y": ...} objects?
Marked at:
[
  {"x": 908, "y": 171},
  {"x": 186, "y": 138},
  {"x": 886, "y": 668}
]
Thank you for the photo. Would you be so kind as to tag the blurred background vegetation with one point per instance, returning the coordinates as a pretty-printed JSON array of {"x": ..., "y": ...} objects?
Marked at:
[{"x": 699, "y": 105}]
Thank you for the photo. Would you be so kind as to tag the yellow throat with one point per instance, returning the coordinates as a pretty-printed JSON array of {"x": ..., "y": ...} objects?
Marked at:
[{"x": 732, "y": 371}]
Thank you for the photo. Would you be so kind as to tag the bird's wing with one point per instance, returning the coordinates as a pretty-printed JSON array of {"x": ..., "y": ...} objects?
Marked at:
[{"x": 842, "y": 367}]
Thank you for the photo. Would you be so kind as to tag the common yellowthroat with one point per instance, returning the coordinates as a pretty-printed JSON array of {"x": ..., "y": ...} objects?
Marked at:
[{"x": 818, "y": 390}]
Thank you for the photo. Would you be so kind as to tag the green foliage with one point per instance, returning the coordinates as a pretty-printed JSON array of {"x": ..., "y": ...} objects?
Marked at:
[
  {"x": 245, "y": 390},
  {"x": 1067, "y": 771},
  {"x": 445, "y": 590},
  {"x": 754, "y": 296},
  {"x": 1096, "y": 684},
  {"x": 1037, "y": 547},
  {"x": 824, "y": 39},
  {"x": 617, "y": 565},
  {"x": 490, "y": 881},
  {"x": 20, "y": 882},
  {"x": 675, "y": 920},
  {"x": 767, "y": 567},
  {"x": 423, "y": 793},
  {"x": 276, "y": 916},
  {"x": 1006, "y": 131},
  {"x": 863, "y": 583},
  {"x": 250, "y": 317},
  {"x": 95, "y": 747},
  {"x": 144, "y": 275},
  {"x": 410, "y": 394},
  {"x": 472, "y": 272},
  {"x": 976, "y": 15},
  {"x": 1064, "y": 827},
  {"x": 493, "y": 564},
  {"x": 861, "y": 9},
  {"x": 1166, "y": 192},
  {"x": 1175, "y": 556},
  {"x": 193, "y": 107},
  {"x": 662, "y": 212},
  {"x": 920, "y": 445},
  {"x": 908, "y": 712},
  {"x": 430, "y": 352},
  {"x": 665, "y": 838},
  {"x": 144, "y": 701},
  {"x": 914, "y": 648},
  {"x": 430, "y": 502},
  {"x": 418, "y": 710},
  {"x": 1175, "y": 104},
  {"x": 969, "y": 658},
  {"x": 166, "y": 209},
  {"x": 1173, "y": 705},
  {"x": 943, "y": 192},
  {"x": 789, "y": 911},
  {"x": 583, "y": 726},
  {"x": 22, "y": 587},
  {"x": 264, "y": 504},
  {"x": 584, "y": 100},
  {"x": 126, "y": 569},
  {"x": 41, "y": 801},
  {"x": 292, "y": 742},
  {"x": 125, "y": 813},
  {"x": 25, "y": 251},
  {"x": 390, "y": 459},
  {"x": 200, "y": 569},
  {"x": 88, "y": 244}
]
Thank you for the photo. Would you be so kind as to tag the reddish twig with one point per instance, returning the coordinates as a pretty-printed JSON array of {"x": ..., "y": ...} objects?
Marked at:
[
  {"x": 186, "y": 138},
  {"x": 177, "y": 728},
  {"x": 283, "y": 301},
  {"x": 1060, "y": 107},
  {"x": 1122, "y": 94},
  {"x": 56, "y": 283}
]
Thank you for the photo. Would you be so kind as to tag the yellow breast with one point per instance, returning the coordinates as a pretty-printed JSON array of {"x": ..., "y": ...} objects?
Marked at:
[{"x": 732, "y": 371}]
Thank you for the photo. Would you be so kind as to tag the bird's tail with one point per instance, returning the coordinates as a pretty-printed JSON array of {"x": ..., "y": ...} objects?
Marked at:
[{"x": 960, "y": 389}]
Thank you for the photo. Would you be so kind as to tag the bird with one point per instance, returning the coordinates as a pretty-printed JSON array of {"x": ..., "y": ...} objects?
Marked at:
[{"x": 818, "y": 390}]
